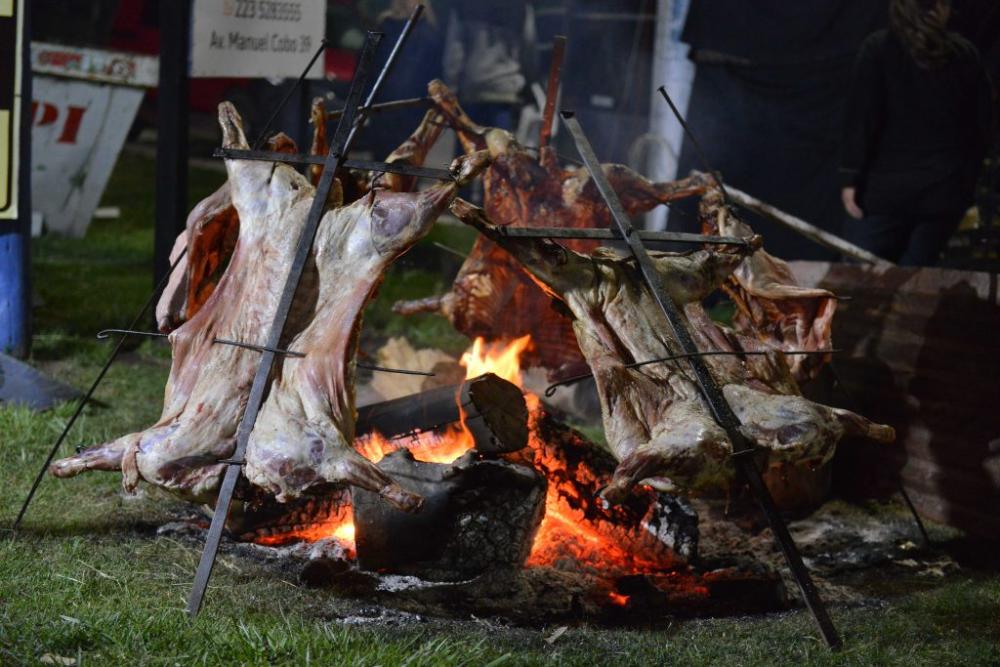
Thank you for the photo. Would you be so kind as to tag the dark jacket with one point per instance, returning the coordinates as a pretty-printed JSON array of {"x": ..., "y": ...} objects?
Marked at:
[{"x": 914, "y": 137}]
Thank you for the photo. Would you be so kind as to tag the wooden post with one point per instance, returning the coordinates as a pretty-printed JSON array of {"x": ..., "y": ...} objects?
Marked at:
[
  {"x": 171, "y": 131},
  {"x": 15, "y": 230}
]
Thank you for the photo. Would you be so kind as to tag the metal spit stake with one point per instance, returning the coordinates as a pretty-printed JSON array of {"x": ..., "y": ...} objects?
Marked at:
[
  {"x": 90, "y": 392},
  {"x": 710, "y": 389},
  {"x": 340, "y": 146},
  {"x": 365, "y": 165}
]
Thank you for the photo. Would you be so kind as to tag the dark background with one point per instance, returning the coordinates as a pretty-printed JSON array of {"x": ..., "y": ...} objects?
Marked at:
[{"x": 767, "y": 101}]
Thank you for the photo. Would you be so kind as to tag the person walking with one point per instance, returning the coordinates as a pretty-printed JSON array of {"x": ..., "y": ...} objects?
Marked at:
[{"x": 919, "y": 121}]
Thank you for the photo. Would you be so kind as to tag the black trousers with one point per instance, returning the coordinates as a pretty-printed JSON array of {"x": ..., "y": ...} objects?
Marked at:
[{"x": 906, "y": 239}]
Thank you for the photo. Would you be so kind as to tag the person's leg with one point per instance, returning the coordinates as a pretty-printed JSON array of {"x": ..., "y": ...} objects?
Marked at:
[
  {"x": 883, "y": 235},
  {"x": 929, "y": 237}
]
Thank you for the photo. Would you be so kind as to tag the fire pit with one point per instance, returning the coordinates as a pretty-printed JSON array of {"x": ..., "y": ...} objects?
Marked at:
[{"x": 511, "y": 522}]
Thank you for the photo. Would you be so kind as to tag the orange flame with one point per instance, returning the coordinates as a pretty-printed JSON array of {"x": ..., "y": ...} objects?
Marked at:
[
  {"x": 618, "y": 599},
  {"x": 565, "y": 533},
  {"x": 340, "y": 528},
  {"x": 500, "y": 359}
]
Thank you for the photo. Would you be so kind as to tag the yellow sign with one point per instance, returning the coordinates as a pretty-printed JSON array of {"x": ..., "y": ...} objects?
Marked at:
[{"x": 10, "y": 104}]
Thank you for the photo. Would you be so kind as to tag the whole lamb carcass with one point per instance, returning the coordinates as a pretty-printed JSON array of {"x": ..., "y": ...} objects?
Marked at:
[
  {"x": 656, "y": 421},
  {"x": 492, "y": 296},
  {"x": 303, "y": 438}
]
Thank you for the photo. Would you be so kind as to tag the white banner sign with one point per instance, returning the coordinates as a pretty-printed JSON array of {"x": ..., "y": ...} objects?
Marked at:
[
  {"x": 126, "y": 69},
  {"x": 256, "y": 38},
  {"x": 78, "y": 129}
]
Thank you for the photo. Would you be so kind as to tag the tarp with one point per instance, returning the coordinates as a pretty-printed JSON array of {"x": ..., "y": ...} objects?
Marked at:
[{"x": 20, "y": 384}]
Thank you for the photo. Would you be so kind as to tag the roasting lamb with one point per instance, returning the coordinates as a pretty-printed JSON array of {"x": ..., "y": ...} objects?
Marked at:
[
  {"x": 656, "y": 421},
  {"x": 492, "y": 296},
  {"x": 303, "y": 438}
]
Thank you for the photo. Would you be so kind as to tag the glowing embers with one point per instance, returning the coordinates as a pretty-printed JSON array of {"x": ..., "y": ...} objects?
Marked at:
[
  {"x": 485, "y": 504},
  {"x": 428, "y": 446}
]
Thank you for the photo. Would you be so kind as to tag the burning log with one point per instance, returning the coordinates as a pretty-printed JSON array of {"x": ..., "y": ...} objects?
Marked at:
[
  {"x": 491, "y": 408},
  {"x": 649, "y": 532}
]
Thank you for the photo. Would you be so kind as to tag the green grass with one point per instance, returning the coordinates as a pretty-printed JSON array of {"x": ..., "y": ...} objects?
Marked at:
[{"x": 89, "y": 580}]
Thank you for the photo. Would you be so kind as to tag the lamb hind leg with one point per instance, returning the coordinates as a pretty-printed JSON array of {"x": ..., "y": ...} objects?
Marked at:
[
  {"x": 638, "y": 194},
  {"x": 106, "y": 457},
  {"x": 793, "y": 428}
]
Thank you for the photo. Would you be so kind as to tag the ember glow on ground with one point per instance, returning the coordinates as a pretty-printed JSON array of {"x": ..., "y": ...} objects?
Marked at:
[{"x": 89, "y": 580}]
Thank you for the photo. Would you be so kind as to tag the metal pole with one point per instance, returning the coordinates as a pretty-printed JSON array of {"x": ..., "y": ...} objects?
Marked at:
[
  {"x": 340, "y": 146},
  {"x": 303, "y": 100},
  {"x": 171, "y": 133},
  {"x": 712, "y": 393},
  {"x": 90, "y": 392},
  {"x": 15, "y": 233}
]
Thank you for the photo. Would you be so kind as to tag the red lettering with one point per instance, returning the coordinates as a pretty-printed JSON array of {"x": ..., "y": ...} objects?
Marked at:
[
  {"x": 71, "y": 126},
  {"x": 60, "y": 59},
  {"x": 49, "y": 113}
]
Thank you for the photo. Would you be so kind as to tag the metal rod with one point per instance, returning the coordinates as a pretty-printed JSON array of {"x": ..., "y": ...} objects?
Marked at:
[
  {"x": 551, "y": 389},
  {"x": 90, "y": 392},
  {"x": 258, "y": 348},
  {"x": 805, "y": 229},
  {"x": 603, "y": 234},
  {"x": 291, "y": 91},
  {"x": 694, "y": 142},
  {"x": 719, "y": 406},
  {"x": 340, "y": 146},
  {"x": 107, "y": 333},
  {"x": 366, "y": 165},
  {"x": 854, "y": 405},
  {"x": 382, "y": 107},
  {"x": 552, "y": 90},
  {"x": 362, "y": 113},
  {"x": 399, "y": 371},
  {"x": 916, "y": 517},
  {"x": 448, "y": 248},
  {"x": 261, "y": 348}
]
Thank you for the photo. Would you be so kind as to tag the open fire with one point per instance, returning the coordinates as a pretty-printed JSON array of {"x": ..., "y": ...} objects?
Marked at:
[{"x": 575, "y": 533}]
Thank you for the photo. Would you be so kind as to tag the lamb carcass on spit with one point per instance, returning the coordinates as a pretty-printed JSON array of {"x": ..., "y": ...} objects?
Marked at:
[
  {"x": 492, "y": 296},
  {"x": 303, "y": 438},
  {"x": 655, "y": 419}
]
